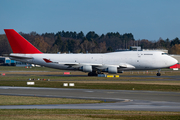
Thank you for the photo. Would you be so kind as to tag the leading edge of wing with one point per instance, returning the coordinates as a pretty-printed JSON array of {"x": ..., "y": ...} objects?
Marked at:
[
  {"x": 70, "y": 63},
  {"x": 99, "y": 66}
]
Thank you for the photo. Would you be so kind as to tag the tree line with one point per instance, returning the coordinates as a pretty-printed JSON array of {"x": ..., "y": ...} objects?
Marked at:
[{"x": 73, "y": 42}]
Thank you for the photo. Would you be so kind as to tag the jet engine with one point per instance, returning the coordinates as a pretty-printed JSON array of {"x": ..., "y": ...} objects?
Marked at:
[
  {"x": 112, "y": 70},
  {"x": 86, "y": 68}
]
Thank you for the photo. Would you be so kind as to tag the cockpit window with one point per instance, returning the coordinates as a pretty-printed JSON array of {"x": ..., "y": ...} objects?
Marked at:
[{"x": 164, "y": 53}]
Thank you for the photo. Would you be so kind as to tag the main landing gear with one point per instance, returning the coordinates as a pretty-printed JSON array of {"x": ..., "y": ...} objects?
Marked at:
[
  {"x": 94, "y": 73},
  {"x": 159, "y": 74}
]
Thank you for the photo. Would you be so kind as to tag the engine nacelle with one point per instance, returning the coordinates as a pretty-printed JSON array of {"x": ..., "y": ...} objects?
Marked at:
[
  {"x": 86, "y": 68},
  {"x": 112, "y": 70}
]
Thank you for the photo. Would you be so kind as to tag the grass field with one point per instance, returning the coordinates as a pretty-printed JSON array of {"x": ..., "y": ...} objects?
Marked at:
[
  {"x": 69, "y": 114},
  {"x": 18, "y": 76},
  {"x": 23, "y": 100},
  {"x": 102, "y": 85},
  {"x": 153, "y": 72},
  {"x": 14, "y": 68}
]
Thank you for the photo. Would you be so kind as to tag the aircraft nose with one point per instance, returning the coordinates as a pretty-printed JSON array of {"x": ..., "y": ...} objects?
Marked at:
[
  {"x": 170, "y": 61},
  {"x": 173, "y": 61}
]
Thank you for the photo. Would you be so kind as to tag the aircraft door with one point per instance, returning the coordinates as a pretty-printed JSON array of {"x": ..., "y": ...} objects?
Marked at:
[{"x": 139, "y": 60}]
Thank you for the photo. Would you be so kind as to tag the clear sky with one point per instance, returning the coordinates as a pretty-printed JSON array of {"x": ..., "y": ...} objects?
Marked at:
[{"x": 145, "y": 19}]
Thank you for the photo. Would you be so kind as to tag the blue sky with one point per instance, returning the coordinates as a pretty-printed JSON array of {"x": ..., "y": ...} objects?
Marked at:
[{"x": 145, "y": 19}]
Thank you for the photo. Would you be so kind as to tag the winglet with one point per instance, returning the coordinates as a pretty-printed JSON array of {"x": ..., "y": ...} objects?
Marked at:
[{"x": 20, "y": 44}]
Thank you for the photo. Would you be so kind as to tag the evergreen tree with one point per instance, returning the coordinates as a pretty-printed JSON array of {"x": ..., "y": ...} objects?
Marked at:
[
  {"x": 91, "y": 35},
  {"x": 110, "y": 49},
  {"x": 80, "y": 35},
  {"x": 175, "y": 41},
  {"x": 58, "y": 43}
]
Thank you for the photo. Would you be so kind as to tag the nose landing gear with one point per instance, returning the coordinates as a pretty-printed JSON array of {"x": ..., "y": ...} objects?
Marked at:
[{"x": 159, "y": 74}]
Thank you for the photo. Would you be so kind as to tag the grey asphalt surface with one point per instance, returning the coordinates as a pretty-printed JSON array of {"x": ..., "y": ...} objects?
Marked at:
[{"x": 124, "y": 99}]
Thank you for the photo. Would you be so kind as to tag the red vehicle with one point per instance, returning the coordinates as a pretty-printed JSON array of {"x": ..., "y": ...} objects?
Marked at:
[{"x": 175, "y": 66}]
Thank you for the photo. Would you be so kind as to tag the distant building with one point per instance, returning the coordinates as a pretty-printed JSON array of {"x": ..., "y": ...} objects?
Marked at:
[
  {"x": 175, "y": 66},
  {"x": 177, "y": 57},
  {"x": 163, "y": 50},
  {"x": 138, "y": 48},
  {"x": 22, "y": 64},
  {"x": 119, "y": 50},
  {"x": 6, "y": 61},
  {"x": 135, "y": 48}
]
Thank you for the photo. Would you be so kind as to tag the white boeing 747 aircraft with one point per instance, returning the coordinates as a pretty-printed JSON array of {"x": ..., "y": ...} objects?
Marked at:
[{"x": 94, "y": 64}]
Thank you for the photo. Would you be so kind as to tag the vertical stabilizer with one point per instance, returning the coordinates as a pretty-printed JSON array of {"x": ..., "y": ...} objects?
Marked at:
[{"x": 19, "y": 44}]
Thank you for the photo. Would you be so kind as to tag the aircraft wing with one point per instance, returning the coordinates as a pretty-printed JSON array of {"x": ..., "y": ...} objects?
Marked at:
[
  {"x": 75, "y": 64},
  {"x": 125, "y": 65},
  {"x": 50, "y": 61},
  {"x": 94, "y": 65}
]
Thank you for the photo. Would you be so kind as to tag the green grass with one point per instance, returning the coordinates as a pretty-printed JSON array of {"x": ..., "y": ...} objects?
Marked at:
[
  {"x": 78, "y": 114},
  {"x": 23, "y": 100},
  {"x": 14, "y": 68},
  {"x": 150, "y": 72},
  {"x": 109, "y": 86},
  {"x": 122, "y": 83},
  {"x": 20, "y": 78},
  {"x": 56, "y": 77}
]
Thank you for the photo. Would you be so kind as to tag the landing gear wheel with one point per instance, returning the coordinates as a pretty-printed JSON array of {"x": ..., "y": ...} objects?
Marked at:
[
  {"x": 158, "y": 74},
  {"x": 92, "y": 74},
  {"x": 99, "y": 72}
]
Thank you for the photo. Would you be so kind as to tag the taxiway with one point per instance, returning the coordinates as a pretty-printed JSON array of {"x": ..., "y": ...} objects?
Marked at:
[{"x": 124, "y": 99}]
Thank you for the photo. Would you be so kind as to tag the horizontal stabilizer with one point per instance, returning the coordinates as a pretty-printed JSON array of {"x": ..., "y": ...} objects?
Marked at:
[{"x": 17, "y": 56}]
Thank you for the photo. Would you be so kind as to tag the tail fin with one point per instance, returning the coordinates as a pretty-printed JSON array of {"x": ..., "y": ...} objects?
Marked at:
[{"x": 20, "y": 44}]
